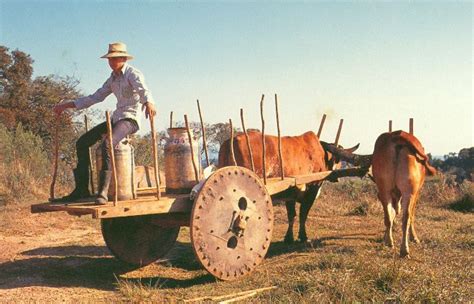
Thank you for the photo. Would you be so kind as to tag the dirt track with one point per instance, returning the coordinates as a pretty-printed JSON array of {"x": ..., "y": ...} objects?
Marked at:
[{"x": 46, "y": 258}]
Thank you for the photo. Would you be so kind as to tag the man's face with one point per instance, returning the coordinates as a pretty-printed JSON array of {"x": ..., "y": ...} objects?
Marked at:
[{"x": 116, "y": 63}]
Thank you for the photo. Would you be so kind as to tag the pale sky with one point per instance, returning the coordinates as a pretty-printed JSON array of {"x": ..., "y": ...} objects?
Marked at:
[{"x": 365, "y": 62}]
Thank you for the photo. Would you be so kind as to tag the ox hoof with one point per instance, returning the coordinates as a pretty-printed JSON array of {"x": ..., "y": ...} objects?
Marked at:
[
  {"x": 415, "y": 240},
  {"x": 404, "y": 254},
  {"x": 289, "y": 239}
]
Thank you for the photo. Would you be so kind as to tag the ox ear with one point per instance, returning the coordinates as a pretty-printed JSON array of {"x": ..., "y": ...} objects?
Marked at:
[{"x": 353, "y": 149}]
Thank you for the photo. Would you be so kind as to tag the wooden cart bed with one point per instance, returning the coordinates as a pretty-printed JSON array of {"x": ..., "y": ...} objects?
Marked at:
[{"x": 147, "y": 202}]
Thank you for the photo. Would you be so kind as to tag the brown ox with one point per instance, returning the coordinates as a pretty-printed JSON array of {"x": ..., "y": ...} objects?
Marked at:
[
  {"x": 302, "y": 154},
  {"x": 399, "y": 166}
]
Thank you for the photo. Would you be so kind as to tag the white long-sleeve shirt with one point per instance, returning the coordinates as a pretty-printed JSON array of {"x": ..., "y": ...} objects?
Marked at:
[{"x": 129, "y": 88}]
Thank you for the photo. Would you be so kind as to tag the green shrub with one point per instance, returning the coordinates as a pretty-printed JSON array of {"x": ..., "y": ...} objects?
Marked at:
[{"x": 24, "y": 161}]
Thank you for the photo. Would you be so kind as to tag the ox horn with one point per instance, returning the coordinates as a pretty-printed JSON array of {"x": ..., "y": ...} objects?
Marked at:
[{"x": 348, "y": 155}]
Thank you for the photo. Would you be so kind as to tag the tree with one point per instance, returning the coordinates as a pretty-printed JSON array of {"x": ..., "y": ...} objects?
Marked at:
[{"x": 29, "y": 102}]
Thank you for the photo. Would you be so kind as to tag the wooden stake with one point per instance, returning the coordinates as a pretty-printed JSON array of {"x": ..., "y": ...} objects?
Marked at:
[
  {"x": 56, "y": 157},
  {"x": 280, "y": 155},
  {"x": 239, "y": 298},
  {"x": 264, "y": 172},
  {"x": 112, "y": 156},
  {"x": 171, "y": 119},
  {"x": 232, "y": 154},
  {"x": 390, "y": 126},
  {"x": 247, "y": 139},
  {"x": 321, "y": 124},
  {"x": 240, "y": 293},
  {"x": 91, "y": 168},
  {"x": 155, "y": 157},
  {"x": 203, "y": 134},
  {"x": 336, "y": 142},
  {"x": 196, "y": 175},
  {"x": 411, "y": 126}
]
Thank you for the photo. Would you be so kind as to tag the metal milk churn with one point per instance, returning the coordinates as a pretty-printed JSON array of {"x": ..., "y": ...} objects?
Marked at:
[
  {"x": 179, "y": 171},
  {"x": 125, "y": 170}
]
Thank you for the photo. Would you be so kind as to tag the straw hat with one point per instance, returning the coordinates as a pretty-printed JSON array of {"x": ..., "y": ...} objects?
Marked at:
[{"x": 117, "y": 49}]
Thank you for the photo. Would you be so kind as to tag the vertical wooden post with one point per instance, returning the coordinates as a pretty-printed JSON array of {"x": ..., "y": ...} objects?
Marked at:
[
  {"x": 91, "y": 167},
  {"x": 196, "y": 175},
  {"x": 336, "y": 142},
  {"x": 112, "y": 156},
  {"x": 411, "y": 126},
  {"x": 156, "y": 167},
  {"x": 280, "y": 155},
  {"x": 171, "y": 119},
  {"x": 321, "y": 124},
  {"x": 56, "y": 158},
  {"x": 232, "y": 153},
  {"x": 203, "y": 134},
  {"x": 390, "y": 126},
  {"x": 264, "y": 171},
  {"x": 247, "y": 139}
]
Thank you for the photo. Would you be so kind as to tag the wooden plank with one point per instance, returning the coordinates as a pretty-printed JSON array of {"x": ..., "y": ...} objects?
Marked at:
[
  {"x": 165, "y": 205},
  {"x": 141, "y": 206},
  {"x": 277, "y": 185},
  {"x": 313, "y": 177}
]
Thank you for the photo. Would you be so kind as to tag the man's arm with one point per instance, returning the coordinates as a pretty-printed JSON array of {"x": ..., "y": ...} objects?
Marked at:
[
  {"x": 137, "y": 81},
  {"x": 59, "y": 108},
  {"x": 98, "y": 96}
]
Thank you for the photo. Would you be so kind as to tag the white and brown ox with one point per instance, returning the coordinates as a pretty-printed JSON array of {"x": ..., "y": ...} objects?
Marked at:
[
  {"x": 302, "y": 154},
  {"x": 399, "y": 166}
]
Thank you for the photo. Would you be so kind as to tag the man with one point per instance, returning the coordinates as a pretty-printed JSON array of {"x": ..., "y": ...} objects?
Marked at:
[{"x": 128, "y": 85}]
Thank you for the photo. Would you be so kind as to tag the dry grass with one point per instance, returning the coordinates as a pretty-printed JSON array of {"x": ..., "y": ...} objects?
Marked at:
[{"x": 346, "y": 263}]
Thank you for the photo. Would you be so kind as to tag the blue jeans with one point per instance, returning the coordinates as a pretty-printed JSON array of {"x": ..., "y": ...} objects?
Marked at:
[{"x": 120, "y": 130}]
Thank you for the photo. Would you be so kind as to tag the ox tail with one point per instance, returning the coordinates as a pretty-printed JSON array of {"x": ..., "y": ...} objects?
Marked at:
[{"x": 406, "y": 139}]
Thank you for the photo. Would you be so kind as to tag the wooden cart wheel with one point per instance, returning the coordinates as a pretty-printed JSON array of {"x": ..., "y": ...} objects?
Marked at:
[
  {"x": 231, "y": 223},
  {"x": 136, "y": 241}
]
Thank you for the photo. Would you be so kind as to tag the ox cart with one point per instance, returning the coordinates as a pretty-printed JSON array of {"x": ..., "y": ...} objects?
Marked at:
[{"x": 230, "y": 219}]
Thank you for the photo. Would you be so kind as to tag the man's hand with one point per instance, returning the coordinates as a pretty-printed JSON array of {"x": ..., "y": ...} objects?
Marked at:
[
  {"x": 149, "y": 109},
  {"x": 59, "y": 108}
]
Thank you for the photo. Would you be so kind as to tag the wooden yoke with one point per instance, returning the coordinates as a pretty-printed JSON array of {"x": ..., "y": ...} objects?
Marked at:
[
  {"x": 196, "y": 175},
  {"x": 112, "y": 156},
  {"x": 264, "y": 171},
  {"x": 156, "y": 167},
  {"x": 280, "y": 155},
  {"x": 247, "y": 139},
  {"x": 171, "y": 119},
  {"x": 203, "y": 134},
  {"x": 390, "y": 126},
  {"x": 411, "y": 126},
  {"x": 321, "y": 124}
]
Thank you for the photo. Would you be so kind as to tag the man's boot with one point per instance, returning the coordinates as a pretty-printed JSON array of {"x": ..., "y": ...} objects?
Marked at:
[
  {"x": 81, "y": 179},
  {"x": 104, "y": 182}
]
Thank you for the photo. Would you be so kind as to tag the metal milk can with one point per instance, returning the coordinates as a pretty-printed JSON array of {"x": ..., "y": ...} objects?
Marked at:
[
  {"x": 125, "y": 170},
  {"x": 179, "y": 171}
]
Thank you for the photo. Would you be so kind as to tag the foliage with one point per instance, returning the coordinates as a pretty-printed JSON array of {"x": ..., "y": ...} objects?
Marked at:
[
  {"x": 30, "y": 101},
  {"x": 461, "y": 164},
  {"x": 25, "y": 164}
]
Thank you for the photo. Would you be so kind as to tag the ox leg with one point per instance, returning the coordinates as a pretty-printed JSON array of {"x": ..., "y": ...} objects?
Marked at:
[
  {"x": 291, "y": 212},
  {"x": 407, "y": 203},
  {"x": 306, "y": 204},
  {"x": 413, "y": 236},
  {"x": 389, "y": 216}
]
